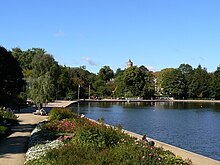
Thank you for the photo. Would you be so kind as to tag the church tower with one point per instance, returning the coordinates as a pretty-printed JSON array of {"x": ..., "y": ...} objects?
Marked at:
[{"x": 129, "y": 64}]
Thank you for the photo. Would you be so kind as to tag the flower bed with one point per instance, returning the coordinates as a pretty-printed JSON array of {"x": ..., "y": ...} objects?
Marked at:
[{"x": 79, "y": 141}]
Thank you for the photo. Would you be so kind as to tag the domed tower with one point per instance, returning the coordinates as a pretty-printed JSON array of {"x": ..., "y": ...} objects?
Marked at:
[{"x": 129, "y": 64}]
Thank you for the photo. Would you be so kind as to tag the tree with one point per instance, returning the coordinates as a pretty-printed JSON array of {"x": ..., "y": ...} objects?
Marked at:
[
  {"x": 106, "y": 73},
  {"x": 187, "y": 72},
  {"x": 199, "y": 87},
  {"x": 173, "y": 84},
  {"x": 11, "y": 78},
  {"x": 80, "y": 76},
  {"x": 43, "y": 81},
  {"x": 118, "y": 72},
  {"x": 215, "y": 84},
  {"x": 135, "y": 82},
  {"x": 162, "y": 74}
]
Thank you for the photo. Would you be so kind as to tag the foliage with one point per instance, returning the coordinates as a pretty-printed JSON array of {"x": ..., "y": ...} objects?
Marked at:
[
  {"x": 99, "y": 136},
  {"x": 173, "y": 84},
  {"x": 62, "y": 126},
  {"x": 200, "y": 83},
  {"x": 215, "y": 84},
  {"x": 106, "y": 73},
  {"x": 135, "y": 82},
  {"x": 93, "y": 143},
  {"x": 11, "y": 78},
  {"x": 43, "y": 81},
  {"x": 4, "y": 131},
  {"x": 8, "y": 117},
  {"x": 187, "y": 72},
  {"x": 60, "y": 113}
]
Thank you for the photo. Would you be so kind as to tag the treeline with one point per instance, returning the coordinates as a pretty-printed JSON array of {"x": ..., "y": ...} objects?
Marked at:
[
  {"x": 185, "y": 82},
  {"x": 34, "y": 74}
]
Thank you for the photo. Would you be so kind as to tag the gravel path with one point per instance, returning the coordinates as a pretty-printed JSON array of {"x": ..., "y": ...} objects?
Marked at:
[{"x": 14, "y": 147}]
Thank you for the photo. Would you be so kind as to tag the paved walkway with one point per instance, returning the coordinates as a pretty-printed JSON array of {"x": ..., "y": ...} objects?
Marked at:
[
  {"x": 60, "y": 103},
  {"x": 14, "y": 147}
]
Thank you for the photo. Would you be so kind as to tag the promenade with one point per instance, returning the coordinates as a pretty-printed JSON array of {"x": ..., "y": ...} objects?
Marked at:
[{"x": 14, "y": 147}]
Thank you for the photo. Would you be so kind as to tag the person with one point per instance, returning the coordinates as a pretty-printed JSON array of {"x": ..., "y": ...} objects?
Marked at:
[
  {"x": 145, "y": 139},
  {"x": 82, "y": 116}
]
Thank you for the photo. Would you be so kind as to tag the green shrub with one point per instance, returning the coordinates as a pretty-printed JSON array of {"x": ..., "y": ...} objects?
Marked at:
[
  {"x": 127, "y": 153},
  {"x": 9, "y": 117},
  {"x": 4, "y": 131},
  {"x": 98, "y": 135},
  {"x": 61, "y": 126},
  {"x": 60, "y": 113},
  {"x": 98, "y": 144}
]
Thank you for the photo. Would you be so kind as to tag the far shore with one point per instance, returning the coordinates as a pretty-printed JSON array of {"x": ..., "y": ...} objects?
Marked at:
[{"x": 147, "y": 100}]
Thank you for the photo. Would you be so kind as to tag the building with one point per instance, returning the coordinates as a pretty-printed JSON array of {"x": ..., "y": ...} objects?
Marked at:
[{"x": 129, "y": 64}]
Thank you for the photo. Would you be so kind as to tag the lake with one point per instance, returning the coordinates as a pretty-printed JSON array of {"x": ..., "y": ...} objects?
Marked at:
[{"x": 191, "y": 126}]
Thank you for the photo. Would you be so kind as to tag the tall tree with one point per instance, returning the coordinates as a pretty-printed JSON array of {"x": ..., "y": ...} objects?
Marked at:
[
  {"x": 43, "y": 81},
  {"x": 199, "y": 87},
  {"x": 187, "y": 71},
  {"x": 215, "y": 84},
  {"x": 173, "y": 84},
  {"x": 118, "y": 72},
  {"x": 135, "y": 82},
  {"x": 11, "y": 77},
  {"x": 106, "y": 73},
  {"x": 162, "y": 74}
]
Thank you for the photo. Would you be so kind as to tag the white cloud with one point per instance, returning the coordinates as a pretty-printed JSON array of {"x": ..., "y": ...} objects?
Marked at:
[
  {"x": 151, "y": 68},
  {"x": 89, "y": 60},
  {"x": 59, "y": 33}
]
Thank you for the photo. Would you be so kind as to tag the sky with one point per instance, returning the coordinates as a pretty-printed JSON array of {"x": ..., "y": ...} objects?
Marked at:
[{"x": 158, "y": 34}]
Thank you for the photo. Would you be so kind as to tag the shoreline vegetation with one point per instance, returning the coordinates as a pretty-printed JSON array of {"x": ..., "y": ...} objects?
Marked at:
[{"x": 67, "y": 138}]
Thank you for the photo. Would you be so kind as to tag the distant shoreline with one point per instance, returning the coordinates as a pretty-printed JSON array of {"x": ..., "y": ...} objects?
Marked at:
[
  {"x": 68, "y": 103},
  {"x": 140, "y": 100}
]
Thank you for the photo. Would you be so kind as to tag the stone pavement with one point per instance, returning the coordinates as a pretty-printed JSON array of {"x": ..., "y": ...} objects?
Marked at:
[{"x": 14, "y": 147}]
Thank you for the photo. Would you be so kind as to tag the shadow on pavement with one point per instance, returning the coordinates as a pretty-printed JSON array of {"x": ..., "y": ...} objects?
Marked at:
[{"x": 13, "y": 145}]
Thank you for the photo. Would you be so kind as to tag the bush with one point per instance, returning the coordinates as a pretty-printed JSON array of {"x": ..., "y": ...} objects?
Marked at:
[
  {"x": 60, "y": 113},
  {"x": 62, "y": 126},
  {"x": 97, "y": 144},
  {"x": 127, "y": 153},
  {"x": 4, "y": 131},
  {"x": 98, "y": 135},
  {"x": 8, "y": 116}
]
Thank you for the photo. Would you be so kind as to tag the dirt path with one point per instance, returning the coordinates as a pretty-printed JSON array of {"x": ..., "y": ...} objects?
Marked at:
[{"x": 13, "y": 148}]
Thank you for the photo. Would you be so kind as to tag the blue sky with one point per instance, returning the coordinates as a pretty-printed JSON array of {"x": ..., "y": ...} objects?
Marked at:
[{"x": 155, "y": 33}]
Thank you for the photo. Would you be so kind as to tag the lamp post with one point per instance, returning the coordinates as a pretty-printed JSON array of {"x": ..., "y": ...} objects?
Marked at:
[
  {"x": 89, "y": 91},
  {"x": 78, "y": 91}
]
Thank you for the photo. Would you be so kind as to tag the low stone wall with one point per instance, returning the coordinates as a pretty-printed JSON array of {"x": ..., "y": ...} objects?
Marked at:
[{"x": 196, "y": 158}]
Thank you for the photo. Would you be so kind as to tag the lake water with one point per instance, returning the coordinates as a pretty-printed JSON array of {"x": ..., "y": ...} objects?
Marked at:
[{"x": 191, "y": 126}]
